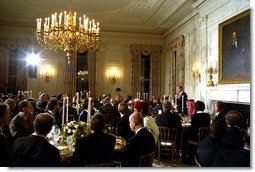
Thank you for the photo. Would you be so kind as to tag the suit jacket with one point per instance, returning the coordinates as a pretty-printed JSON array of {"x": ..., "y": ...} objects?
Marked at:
[
  {"x": 233, "y": 139},
  {"x": 206, "y": 150},
  {"x": 197, "y": 120},
  {"x": 142, "y": 143},
  {"x": 21, "y": 127},
  {"x": 168, "y": 119},
  {"x": 93, "y": 149},
  {"x": 179, "y": 102},
  {"x": 231, "y": 158},
  {"x": 35, "y": 151},
  {"x": 5, "y": 151},
  {"x": 123, "y": 128}
]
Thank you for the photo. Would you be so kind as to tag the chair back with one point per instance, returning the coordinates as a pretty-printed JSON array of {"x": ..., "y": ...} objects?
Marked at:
[
  {"x": 203, "y": 132},
  {"x": 146, "y": 160},
  {"x": 167, "y": 134}
]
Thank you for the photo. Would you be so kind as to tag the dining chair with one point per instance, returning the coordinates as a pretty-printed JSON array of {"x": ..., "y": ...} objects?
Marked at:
[
  {"x": 146, "y": 160},
  {"x": 203, "y": 132},
  {"x": 167, "y": 141}
]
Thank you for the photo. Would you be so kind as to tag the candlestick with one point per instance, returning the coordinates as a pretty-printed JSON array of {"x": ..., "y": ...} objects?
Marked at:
[
  {"x": 175, "y": 101},
  {"x": 89, "y": 110},
  {"x": 67, "y": 103},
  {"x": 77, "y": 98},
  {"x": 63, "y": 111},
  {"x": 182, "y": 103}
]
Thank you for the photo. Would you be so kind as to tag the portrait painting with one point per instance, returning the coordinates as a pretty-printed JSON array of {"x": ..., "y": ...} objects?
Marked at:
[{"x": 234, "y": 50}]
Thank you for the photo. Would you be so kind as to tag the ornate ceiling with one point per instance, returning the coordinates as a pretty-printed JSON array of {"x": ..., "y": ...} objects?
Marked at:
[{"x": 127, "y": 16}]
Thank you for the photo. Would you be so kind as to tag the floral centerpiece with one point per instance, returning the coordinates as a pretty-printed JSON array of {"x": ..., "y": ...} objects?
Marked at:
[{"x": 76, "y": 129}]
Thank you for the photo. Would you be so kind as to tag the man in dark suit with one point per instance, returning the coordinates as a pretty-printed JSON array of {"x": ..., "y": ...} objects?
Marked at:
[
  {"x": 207, "y": 148},
  {"x": 35, "y": 150},
  {"x": 182, "y": 98},
  {"x": 199, "y": 119},
  {"x": 169, "y": 119},
  {"x": 142, "y": 143},
  {"x": 122, "y": 127},
  {"x": 22, "y": 124},
  {"x": 222, "y": 110},
  {"x": 5, "y": 148},
  {"x": 95, "y": 148}
]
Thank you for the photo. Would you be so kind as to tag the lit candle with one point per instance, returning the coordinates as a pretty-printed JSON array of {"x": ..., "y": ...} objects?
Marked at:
[
  {"x": 67, "y": 103},
  {"x": 63, "y": 111},
  {"x": 89, "y": 110},
  {"x": 18, "y": 93},
  {"x": 77, "y": 98},
  {"x": 176, "y": 101},
  {"x": 74, "y": 19},
  {"x": 182, "y": 103}
]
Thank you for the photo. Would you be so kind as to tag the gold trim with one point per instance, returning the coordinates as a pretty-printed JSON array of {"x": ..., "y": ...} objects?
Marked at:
[{"x": 221, "y": 25}]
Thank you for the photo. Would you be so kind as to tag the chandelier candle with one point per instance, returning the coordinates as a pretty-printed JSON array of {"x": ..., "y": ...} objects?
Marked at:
[{"x": 63, "y": 33}]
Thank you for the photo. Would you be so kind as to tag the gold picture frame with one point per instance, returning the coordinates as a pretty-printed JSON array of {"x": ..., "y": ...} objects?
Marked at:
[{"x": 234, "y": 50}]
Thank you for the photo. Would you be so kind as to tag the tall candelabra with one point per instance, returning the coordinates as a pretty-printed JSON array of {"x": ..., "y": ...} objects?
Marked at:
[{"x": 210, "y": 71}]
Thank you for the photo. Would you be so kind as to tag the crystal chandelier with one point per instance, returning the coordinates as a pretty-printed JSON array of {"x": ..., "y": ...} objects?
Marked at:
[{"x": 64, "y": 32}]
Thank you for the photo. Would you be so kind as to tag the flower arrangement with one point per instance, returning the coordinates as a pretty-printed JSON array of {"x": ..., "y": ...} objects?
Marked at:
[{"x": 76, "y": 129}]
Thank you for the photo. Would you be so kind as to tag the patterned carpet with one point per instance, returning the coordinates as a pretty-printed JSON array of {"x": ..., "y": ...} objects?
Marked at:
[{"x": 168, "y": 164}]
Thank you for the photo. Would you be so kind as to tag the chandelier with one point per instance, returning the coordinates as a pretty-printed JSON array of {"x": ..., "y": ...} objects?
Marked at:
[{"x": 64, "y": 32}]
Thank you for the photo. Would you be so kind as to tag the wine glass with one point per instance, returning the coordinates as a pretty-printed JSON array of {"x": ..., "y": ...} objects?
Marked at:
[
  {"x": 55, "y": 137},
  {"x": 69, "y": 141}
]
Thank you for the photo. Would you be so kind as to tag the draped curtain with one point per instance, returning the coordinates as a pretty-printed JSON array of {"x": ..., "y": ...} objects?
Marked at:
[
  {"x": 10, "y": 44},
  {"x": 176, "y": 48},
  {"x": 155, "y": 52}
]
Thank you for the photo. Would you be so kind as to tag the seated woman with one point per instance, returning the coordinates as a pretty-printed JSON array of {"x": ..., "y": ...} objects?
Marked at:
[{"x": 95, "y": 148}]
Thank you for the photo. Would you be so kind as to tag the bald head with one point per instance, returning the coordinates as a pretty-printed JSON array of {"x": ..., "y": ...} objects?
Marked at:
[
  {"x": 43, "y": 123},
  {"x": 135, "y": 121}
]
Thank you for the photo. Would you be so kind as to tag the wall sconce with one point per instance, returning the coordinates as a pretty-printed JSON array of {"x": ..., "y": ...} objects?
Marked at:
[
  {"x": 47, "y": 74},
  {"x": 113, "y": 74},
  {"x": 210, "y": 71},
  {"x": 196, "y": 72}
]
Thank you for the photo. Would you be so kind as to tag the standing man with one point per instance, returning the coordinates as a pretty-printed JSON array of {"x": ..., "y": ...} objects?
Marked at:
[{"x": 181, "y": 100}]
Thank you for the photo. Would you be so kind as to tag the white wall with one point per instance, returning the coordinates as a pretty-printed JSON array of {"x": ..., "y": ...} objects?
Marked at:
[{"x": 201, "y": 45}]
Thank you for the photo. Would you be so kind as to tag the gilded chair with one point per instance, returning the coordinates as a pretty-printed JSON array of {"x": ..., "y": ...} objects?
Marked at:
[
  {"x": 203, "y": 132},
  {"x": 167, "y": 141},
  {"x": 146, "y": 160}
]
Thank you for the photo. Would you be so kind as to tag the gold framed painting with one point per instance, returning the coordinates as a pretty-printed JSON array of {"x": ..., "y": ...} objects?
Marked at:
[{"x": 234, "y": 50}]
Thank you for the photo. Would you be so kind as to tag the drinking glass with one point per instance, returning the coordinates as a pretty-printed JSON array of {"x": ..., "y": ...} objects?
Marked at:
[{"x": 69, "y": 141}]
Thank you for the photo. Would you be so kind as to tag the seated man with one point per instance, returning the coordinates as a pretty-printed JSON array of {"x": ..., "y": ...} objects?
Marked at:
[
  {"x": 95, "y": 148},
  {"x": 35, "y": 150},
  {"x": 207, "y": 148},
  {"x": 22, "y": 124},
  {"x": 142, "y": 143}
]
